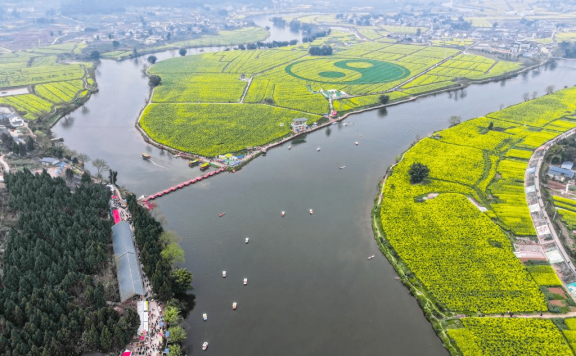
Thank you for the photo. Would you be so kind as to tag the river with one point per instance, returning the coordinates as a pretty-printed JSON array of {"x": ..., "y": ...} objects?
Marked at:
[{"x": 311, "y": 290}]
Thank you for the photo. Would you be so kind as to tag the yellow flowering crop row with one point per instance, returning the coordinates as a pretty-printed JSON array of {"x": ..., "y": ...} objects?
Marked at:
[
  {"x": 509, "y": 337},
  {"x": 544, "y": 275}
]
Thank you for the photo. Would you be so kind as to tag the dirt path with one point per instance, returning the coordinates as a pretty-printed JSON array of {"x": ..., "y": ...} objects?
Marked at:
[
  {"x": 246, "y": 89},
  {"x": 4, "y": 164}
]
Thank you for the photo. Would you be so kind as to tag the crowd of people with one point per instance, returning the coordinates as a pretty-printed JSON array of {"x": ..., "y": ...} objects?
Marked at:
[{"x": 150, "y": 343}]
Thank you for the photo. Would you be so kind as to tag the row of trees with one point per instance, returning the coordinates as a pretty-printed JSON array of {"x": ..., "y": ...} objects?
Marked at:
[
  {"x": 273, "y": 44},
  {"x": 159, "y": 254},
  {"x": 310, "y": 37},
  {"x": 320, "y": 51},
  {"x": 51, "y": 303}
]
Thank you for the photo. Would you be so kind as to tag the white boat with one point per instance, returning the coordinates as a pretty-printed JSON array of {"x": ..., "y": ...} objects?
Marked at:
[
  {"x": 318, "y": 149},
  {"x": 204, "y": 345},
  {"x": 245, "y": 281},
  {"x": 311, "y": 211},
  {"x": 370, "y": 257},
  {"x": 205, "y": 316},
  {"x": 224, "y": 274},
  {"x": 283, "y": 213},
  {"x": 234, "y": 305},
  {"x": 356, "y": 143},
  {"x": 247, "y": 239},
  {"x": 289, "y": 147},
  {"x": 342, "y": 167}
]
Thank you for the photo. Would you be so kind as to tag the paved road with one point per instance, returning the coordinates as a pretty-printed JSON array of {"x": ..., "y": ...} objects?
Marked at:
[{"x": 557, "y": 241}]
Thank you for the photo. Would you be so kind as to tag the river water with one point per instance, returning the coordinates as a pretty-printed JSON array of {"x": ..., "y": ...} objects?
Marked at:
[{"x": 311, "y": 290}]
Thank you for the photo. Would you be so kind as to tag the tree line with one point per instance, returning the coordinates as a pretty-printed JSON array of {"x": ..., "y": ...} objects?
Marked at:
[
  {"x": 320, "y": 51},
  {"x": 51, "y": 302},
  {"x": 159, "y": 254}
]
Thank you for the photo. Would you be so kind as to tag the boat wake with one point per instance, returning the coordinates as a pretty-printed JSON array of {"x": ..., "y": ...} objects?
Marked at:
[{"x": 159, "y": 165}]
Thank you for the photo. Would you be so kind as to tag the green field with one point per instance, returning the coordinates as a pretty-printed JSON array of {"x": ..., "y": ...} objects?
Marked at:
[
  {"x": 217, "y": 128},
  {"x": 290, "y": 78},
  {"x": 459, "y": 253},
  {"x": 53, "y": 83},
  {"x": 500, "y": 336}
]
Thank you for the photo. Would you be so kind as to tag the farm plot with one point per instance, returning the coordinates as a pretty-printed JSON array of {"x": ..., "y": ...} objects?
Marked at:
[
  {"x": 60, "y": 92},
  {"x": 55, "y": 49},
  {"x": 203, "y": 88},
  {"x": 544, "y": 275},
  {"x": 11, "y": 77},
  {"x": 509, "y": 336},
  {"x": 344, "y": 105},
  {"x": 30, "y": 105},
  {"x": 212, "y": 129},
  {"x": 371, "y": 33},
  {"x": 460, "y": 255}
]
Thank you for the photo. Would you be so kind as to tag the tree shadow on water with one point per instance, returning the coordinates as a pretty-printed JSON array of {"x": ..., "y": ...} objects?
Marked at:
[
  {"x": 188, "y": 302},
  {"x": 382, "y": 112}
]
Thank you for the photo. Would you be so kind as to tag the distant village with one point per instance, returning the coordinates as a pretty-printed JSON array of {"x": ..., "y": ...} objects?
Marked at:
[{"x": 520, "y": 34}]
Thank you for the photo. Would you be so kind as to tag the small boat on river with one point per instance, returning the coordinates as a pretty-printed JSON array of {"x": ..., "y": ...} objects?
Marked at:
[
  {"x": 311, "y": 211},
  {"x": 356, "y": 143},
  {"x": 234, "y": 305},
  {"x": 341, "y": 167},
  {"x": 245, "y": 281},
  {"x": 223, "y": 274},
  {"x": 205, "y": 316},
  {"x": 204, "y": 345},
  {"x": 318, "y": 149},
  {"x": 247, "y": 239},
  {"x": 289, "y": 147},
  {"x": 221, "y": 214},
  {"x": 283, "y": 213},
  {"x": 146, "y": 156},
  {"x": 370, "y": 257}
]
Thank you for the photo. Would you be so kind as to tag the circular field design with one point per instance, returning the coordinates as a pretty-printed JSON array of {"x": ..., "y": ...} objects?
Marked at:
[{"x": 347, "y": 71}]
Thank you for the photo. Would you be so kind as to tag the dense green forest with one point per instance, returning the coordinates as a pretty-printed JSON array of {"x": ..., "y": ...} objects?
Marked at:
[{"x": 51, "y": 302}]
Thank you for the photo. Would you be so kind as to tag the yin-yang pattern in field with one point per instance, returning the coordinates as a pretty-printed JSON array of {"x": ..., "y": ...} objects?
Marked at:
[{"x": 347, "y": 71}]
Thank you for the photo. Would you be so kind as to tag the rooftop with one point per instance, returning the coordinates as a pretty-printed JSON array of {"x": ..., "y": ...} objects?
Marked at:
[
  {"x": 558, "y": 171},
  {"x": 128, "y": 270},
  {"x": 567, "y": 165}
]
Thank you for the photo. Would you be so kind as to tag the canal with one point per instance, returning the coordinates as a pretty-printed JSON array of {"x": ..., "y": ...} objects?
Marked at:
[{"x": 311, "y": 289}]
